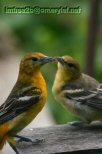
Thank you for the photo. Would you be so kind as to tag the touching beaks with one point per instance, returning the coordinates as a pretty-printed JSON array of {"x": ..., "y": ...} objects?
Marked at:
[
  {"x": 61, "y": 60},
  {"x": 51, "y": 59},
  {"x": 47, "y": 60}
]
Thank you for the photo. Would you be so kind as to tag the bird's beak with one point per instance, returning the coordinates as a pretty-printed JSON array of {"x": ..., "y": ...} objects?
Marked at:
[
  {"x": 50, "y": 59},
  {"x": 47, "y": 60},
  {"x": 61, "y": 60}
]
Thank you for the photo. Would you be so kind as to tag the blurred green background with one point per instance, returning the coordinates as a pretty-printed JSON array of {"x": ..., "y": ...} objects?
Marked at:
[{"x": 53, "y": 35}]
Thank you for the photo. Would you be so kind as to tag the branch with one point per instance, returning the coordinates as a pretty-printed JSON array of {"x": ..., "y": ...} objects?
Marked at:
[
  {"x": 63, "y": 139},
  {"x": 92, "y": 36}
]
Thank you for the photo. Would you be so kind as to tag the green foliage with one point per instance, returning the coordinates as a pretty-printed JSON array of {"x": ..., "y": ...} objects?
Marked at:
[{"x": 53, "y": 35}]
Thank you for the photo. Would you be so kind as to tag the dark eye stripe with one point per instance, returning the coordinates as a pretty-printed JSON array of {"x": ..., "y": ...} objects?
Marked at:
[
  {"x": 71, "y": 65},
  {"x": 33, "y": 58}
]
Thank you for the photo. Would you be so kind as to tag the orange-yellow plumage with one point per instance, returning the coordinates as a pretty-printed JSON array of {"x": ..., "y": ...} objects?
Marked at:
[
  {"x": 27, "y": 98},
  {"x": 3, "y": 134}
]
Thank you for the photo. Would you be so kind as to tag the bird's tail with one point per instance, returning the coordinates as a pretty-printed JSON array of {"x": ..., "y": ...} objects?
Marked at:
[{"x": 3, "y": 134}]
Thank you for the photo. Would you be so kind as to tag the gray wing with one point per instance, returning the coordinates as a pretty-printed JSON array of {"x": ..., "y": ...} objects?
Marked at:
[
  {"x": 18, "y": 104},
  {"x": 92, "y": 98}
]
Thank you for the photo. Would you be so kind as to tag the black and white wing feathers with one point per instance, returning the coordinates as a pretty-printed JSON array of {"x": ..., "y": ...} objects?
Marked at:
[
  {"x": 19, "y": 104},
  {"x": 92, "y": 98}
]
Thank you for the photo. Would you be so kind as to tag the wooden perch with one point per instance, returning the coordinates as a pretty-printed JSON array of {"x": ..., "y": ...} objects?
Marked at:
[{"x": 64, "y": 139}]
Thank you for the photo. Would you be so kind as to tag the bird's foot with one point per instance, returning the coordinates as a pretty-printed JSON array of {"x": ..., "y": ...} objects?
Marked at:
[
  {"x": 78, "y": 123},
  {"x": 25, "y": 139}
]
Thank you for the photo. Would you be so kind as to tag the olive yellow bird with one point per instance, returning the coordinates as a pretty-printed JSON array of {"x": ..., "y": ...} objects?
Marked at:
[{"x": 77, "y": 92}]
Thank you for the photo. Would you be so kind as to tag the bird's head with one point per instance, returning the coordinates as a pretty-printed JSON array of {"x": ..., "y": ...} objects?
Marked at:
[
  {"x": 69, "y": 66},
  {"x": 33, "y": 62}
]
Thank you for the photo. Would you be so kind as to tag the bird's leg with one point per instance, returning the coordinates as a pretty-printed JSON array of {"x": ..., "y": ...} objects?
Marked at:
[
  {"x": 14, "y": 148},
  {"x": 79, "y": 123},
  {"x": 25, "y": 139}
]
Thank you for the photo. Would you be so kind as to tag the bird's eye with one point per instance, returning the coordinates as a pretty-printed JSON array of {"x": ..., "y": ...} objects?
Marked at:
[
  {"x": 71, "y": 65},
  {"x": 34, "y": 58}
]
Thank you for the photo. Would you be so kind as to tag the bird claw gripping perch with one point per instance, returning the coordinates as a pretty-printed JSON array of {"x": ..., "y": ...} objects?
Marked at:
[
  {"x": 78, "y": 123},
  {"x": 25, "y": 139}
]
